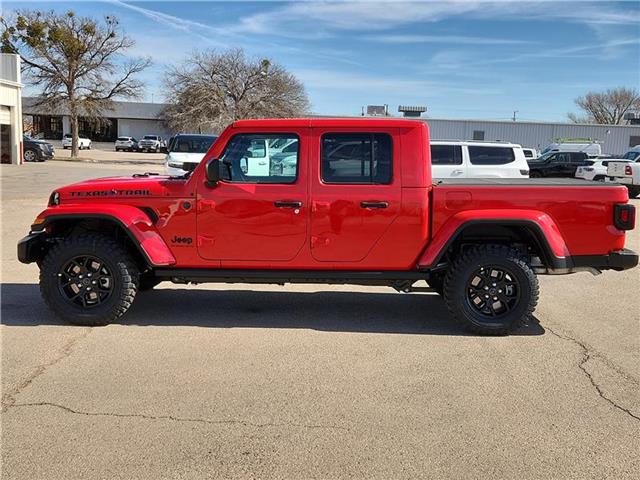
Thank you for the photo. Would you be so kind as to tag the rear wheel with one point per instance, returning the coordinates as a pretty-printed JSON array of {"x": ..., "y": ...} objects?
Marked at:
[
  {"x": 88, "y": 280},
  {"x": 535, "y": 174},
  {"x": 491, "y": 289}
]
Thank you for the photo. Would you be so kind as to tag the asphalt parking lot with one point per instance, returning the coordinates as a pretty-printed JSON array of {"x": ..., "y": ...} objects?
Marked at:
[
  {"x": 105, "y": 153},
  {"x": 311, "y": 382}
]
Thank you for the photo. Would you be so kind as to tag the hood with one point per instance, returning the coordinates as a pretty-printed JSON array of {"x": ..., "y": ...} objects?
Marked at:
[
  {"x": 35, "y": 140},
  {"x": 185, "y": 157},
  {"x": 142, "y": 186}
]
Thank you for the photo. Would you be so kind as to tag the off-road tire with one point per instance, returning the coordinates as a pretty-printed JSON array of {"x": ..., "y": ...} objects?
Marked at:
[
  {"x": 457, "y": 289},
  {"x": 634, "y": 191},
  {"x": 116, "y": 259},
  {"x": 147, "y": 282}
]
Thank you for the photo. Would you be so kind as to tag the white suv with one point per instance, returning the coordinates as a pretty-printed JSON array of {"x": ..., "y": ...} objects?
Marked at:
[
  {"x": 597, "y": 171},
  {"x": 82, "y": 142},
  {"x": 476, "y": 159}
]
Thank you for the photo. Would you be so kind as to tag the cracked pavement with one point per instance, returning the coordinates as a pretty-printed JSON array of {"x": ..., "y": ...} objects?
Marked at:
[{"x": 311, "y": 382}]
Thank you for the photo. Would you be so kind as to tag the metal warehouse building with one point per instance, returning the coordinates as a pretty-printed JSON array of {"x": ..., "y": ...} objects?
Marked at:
[
  {"x": 134, "y": 119},
  {"x": 614, "y": 139}
]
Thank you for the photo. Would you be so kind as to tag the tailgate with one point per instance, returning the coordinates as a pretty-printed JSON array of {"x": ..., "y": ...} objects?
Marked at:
[{"x": 616, "y": 169}]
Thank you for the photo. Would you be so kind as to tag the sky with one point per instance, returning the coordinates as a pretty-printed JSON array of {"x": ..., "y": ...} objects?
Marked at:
[{"x": 460, "y": 59}]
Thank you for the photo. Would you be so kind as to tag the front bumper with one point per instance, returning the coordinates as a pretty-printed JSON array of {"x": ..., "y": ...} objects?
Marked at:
[{"x": 32, "y": 247}]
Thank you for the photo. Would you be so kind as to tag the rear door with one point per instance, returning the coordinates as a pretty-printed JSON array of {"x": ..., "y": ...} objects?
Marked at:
[
  {"x": 447, "y": 161},
  {"x": 355, "y": 191}
]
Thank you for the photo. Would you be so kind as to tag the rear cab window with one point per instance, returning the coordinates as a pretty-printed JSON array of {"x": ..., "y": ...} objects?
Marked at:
[
  {"x": 356, "y": 158},
  {"x": 487, "y": 155}
]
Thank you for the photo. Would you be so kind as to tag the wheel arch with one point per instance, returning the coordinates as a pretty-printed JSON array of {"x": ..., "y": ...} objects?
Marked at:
[
  {"x": 535, "y": 230},
  {"x": 130, "y": 225}
]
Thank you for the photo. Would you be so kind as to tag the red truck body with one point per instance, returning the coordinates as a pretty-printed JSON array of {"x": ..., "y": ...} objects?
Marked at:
[{"x": 408, "y": 228}]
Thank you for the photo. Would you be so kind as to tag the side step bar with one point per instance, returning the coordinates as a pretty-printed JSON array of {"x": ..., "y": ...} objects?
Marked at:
[{"x": 280, "y": 277}]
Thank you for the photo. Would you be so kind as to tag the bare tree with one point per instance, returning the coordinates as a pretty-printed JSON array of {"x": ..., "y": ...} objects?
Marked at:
[
  {"x": 76, "y": 61},
  {"x": 607, "y": 107},
  {"x": 211, "y": 89}
]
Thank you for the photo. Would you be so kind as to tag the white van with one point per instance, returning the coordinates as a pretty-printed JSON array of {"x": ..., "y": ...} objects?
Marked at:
[
  {"x": 591, "y": 147},
  {"x": 476, "y": 159}
]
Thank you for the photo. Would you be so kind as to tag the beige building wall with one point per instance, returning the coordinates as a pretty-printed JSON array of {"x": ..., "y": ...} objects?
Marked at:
[{"x": 10, "y": 109}]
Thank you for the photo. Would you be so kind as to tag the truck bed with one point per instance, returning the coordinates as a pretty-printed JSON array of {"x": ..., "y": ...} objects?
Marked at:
[{"x": 524, "y": 182}]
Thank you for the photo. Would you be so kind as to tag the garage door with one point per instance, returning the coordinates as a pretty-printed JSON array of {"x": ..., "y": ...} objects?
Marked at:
[{"x": 5, "y": 115}]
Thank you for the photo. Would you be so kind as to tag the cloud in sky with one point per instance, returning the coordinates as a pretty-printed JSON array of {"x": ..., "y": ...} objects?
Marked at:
[{"x": 456, "y": 55}]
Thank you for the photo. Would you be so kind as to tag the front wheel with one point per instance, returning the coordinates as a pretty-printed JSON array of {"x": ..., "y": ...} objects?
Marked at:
[
  {"x": 30, "y": 155},
  {"x": 88, "y": 280},
  {"x": 491, "y": 289},
  {"x": 535, "y": 174}
]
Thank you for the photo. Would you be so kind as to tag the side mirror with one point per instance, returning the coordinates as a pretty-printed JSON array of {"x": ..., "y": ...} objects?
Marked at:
[{"x": 213, "y": 172}]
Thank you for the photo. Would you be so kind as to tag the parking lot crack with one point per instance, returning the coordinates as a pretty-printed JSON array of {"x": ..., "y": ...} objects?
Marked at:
[
  {"x": 587, "y": 355},
  {"x": 173, "y": 418},
  {"x": 9, "y": 397}
]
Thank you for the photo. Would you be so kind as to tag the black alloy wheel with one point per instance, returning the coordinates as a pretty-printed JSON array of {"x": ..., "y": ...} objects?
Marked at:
[
  {"x": 85, "y": 281},
  {"x": 493, "y": 291}
]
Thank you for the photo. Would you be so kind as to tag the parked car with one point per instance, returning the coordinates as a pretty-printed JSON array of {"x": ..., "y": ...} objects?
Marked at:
[
  {"x": 591, "y": 147},
  {"x": 530, "y": 153},
  {"x": 34, "y": 150},
  {"x": 151, "y": 143},
  {"x": 476, "y": 159},
  {"x": 373, "y": 218},
  {"x": 633, "y": 154},
  {"x": 627, "y": 173},
  {"x": 83, "y": 143},
  {"x": 597, "y": 171},
  {"x": 128, "y": 144},
  {"x": 558, "y": 164},
  {"x": 185, "y": 152}
]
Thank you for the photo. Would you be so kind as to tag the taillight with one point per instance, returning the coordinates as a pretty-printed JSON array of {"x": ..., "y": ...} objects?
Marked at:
[
  {"x": 628, "y": 170},
  {"x": 624, "y": 216}
]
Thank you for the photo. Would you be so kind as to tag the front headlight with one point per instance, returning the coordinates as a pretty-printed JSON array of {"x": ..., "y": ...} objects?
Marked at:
[{"x": 54, "y": 199}]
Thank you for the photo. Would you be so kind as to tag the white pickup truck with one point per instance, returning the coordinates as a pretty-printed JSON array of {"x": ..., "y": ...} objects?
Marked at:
[{"x": 627, "y": 173}]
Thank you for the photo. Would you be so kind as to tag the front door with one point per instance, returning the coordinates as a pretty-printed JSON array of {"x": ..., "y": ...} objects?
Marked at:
[
  {"x": 355, "y": 192},
  {"x": 258, "y": 211}
]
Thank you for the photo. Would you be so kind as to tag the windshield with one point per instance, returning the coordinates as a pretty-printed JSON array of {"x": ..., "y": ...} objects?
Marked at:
[
  {"x": 150, "y": 137},
  {"x": 632, "y": 155},
  {"x": 123, "y": 139},
  {"x": 542, "y": 158},
  {"x": 192, "y": 143}
]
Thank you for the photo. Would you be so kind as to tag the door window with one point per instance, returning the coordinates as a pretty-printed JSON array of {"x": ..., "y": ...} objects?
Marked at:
[
  {"x": 491, "y": 155},
  {"x": 446, "y": 154},
  {"x": 356, "y": 158},
  {"x": 258, "y": 158}
]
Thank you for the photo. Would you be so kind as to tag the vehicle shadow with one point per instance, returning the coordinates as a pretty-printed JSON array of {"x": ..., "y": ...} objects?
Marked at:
[{"x": 330, "y": 311}]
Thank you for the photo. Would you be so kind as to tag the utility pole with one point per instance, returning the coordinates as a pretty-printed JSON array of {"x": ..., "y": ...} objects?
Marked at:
[{"x": 514, "y": 115}]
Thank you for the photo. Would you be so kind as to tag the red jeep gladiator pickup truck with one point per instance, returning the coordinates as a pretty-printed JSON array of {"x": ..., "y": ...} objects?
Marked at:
[{"x": 337, "y": 201}]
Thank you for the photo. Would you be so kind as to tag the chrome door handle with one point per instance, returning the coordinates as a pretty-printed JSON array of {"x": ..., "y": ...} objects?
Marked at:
[
  {"x": 456, "y": 172},
  {"x": 374, "y": 204},
  {"x": 287, "y": 204}
]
